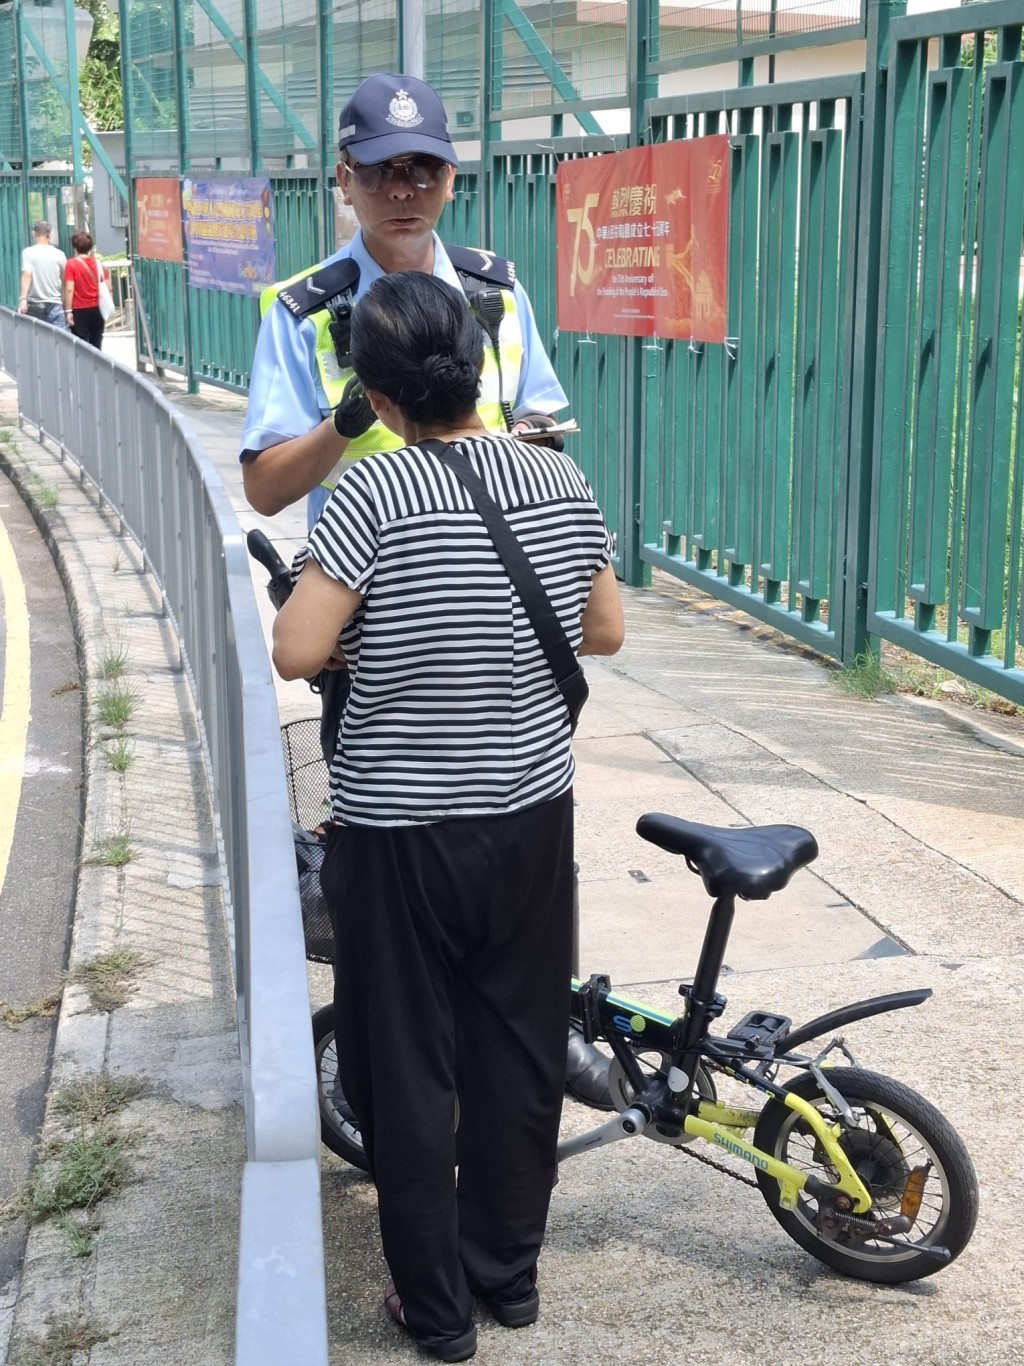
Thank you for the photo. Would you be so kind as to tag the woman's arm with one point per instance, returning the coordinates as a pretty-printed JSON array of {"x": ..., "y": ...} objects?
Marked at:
[
  {"x": 603, "y": 627},
  {"x": 69, "y": 291},
  {"x": 307, "y": 627}
]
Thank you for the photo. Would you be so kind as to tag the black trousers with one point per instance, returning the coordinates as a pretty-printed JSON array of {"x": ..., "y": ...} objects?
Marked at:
[
  {"x": 453, "y": 954},
  {"x": 89, "y": 325}
]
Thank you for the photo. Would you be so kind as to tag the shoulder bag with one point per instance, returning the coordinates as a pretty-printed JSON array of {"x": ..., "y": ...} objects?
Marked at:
[
  {"x": 569, "y": 677},
  {"x": 104, "y": 298}
]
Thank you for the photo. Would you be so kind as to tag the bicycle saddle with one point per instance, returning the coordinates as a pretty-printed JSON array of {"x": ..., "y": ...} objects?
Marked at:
[{"x": 751, "y": 862}]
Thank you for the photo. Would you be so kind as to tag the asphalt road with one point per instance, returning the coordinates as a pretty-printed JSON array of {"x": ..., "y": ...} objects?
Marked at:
[{"x": 40, "y": 831}]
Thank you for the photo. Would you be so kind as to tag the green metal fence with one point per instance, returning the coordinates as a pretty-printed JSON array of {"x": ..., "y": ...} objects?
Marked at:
[
  {"x": 745, "y": 460},
  {"x": 946, "y": 515},
  {"x": 849, "y": 465}
]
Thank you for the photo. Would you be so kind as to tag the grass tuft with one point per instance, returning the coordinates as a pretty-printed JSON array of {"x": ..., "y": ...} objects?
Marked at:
[
  {"x": 46, "y": 495},
  {"x": 866, "y": 676},
  {"x": 65, "y": 1338},
  {"x": 110, "y": 978},
  {"x": 120, "y": 755},
  {"x": 73, "y": 1173},
  {"x": 42, "y": 1007},
  {"x": 113, "y": 663},
  {"x": 115, "y": 705},
  {"x": 98, "y": 1097},
  {"x": 114, "y": 852}
]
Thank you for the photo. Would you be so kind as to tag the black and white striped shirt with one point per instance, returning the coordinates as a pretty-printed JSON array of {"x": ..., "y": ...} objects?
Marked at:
[{"x": 454, "y": 709}]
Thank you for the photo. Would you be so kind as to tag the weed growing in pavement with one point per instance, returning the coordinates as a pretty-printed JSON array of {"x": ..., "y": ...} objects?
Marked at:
[
  {"x": 77, "y": 1169},
  {"x": 42, "y": 1007},
  {"x": 116, "y": 562},
  {"x": 115, "y": 705},
  {"x": 110, "y": 978},
  {"x": 97, "y": 1097},
  {"x": 866, "y": 676},
  {"x": 113, "y": 662},
  {"x": 81, "y": 1235},
  {"x": 46, "y": 495},
  {"x": 120, "y": 754},
  {"x": 73, "y": 1173},
  {"x": 65, "y": 1338},
  {"x": 114, "y": 852}
]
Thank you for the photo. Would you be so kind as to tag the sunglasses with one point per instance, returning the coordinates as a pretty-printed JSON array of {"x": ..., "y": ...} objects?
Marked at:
[{"x": 422, "y": 173}]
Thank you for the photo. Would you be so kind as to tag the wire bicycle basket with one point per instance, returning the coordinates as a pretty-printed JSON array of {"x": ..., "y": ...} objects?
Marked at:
[{"x": 309, "y": 803}]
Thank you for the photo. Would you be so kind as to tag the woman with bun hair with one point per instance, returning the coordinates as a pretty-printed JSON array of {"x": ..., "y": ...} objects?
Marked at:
[
  {"x": 449, "y": 859},
  {"x": 82, "y": 276}
]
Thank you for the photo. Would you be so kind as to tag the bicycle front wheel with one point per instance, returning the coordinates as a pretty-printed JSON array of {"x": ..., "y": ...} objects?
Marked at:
[
  {"x": 339, "y": 1127},
  {"x": 910, "y": 1159}
]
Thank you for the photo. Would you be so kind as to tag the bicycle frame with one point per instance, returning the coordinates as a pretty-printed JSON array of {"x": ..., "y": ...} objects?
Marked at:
[
  {"x": 721, "y": 1125},
  {"x": 686, "y": 1041}
]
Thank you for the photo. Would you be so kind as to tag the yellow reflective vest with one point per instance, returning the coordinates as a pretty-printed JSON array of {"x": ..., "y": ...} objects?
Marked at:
[{"x": 334, "y": 377}]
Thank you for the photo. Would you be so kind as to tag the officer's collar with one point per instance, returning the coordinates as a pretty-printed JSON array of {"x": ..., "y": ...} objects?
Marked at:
[{"x": 369, "y": 270}]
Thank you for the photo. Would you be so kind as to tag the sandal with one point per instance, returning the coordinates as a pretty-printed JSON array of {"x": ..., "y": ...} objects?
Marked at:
[
  {"x": 460, "y": 1348},
  {"x": 393, "y": 1304}
]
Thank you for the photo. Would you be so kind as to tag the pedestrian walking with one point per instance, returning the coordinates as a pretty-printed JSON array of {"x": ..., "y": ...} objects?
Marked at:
[
  {"x": 82, "y": 276},
  {"x": 449, "y": 863},
  {"x": 42, "y": 277}
]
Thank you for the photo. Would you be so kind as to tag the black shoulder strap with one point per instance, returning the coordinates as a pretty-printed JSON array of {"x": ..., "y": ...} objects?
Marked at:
[
  {"x": 482, "y": 265},
  {"x": 569, "y": 677},
  {"x": 317, "y": 289}
]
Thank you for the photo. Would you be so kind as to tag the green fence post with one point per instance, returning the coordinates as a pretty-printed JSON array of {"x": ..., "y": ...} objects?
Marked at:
[
  {"x": 252, "y": 74},
  {"x": 641, "y": 86},
  {"x": 328, "y": 144},
  {"x": 184, "y": 165},
  {"x": 26, "y": 150},
  {"x": 851, "y": 631}
]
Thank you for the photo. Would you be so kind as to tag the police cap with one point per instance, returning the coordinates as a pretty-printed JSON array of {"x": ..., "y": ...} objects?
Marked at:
[{"x": 391, "y": 115}]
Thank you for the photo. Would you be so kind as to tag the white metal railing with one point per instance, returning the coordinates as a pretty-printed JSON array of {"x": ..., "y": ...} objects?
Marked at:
[{"x": 151, "y": 469}]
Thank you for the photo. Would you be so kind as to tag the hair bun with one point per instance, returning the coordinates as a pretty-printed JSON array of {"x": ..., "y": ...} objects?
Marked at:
[{"x": 444, "y": 371}]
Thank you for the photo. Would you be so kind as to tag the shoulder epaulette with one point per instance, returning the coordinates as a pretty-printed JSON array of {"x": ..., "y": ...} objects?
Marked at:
[
  {"x": 482, "y": 265},
  {"x": 313, "y": 291}
]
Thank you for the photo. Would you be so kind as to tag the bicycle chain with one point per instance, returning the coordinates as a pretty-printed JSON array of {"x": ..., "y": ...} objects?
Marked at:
[
  {"x": 718, "y": 1166},
  {"x": 710, "y": 1161}
]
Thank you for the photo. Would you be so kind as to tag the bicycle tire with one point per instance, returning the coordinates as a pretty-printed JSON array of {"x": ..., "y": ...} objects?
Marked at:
[
  {"x": 902, "y": 1130},
  {"x": 339, "y": 1127}
]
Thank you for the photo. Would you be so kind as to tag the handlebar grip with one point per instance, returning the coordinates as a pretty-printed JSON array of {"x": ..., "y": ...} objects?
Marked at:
[
  {"x": 264, "y": 553},
  {"x": 280, "y": 585}
]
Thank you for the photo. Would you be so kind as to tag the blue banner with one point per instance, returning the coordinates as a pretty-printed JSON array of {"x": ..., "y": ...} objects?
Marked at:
[{"x": 229, "y": 231}]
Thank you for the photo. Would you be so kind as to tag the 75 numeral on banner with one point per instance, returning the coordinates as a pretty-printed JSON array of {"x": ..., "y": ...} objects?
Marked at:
[{"x": 581, "y": 217}]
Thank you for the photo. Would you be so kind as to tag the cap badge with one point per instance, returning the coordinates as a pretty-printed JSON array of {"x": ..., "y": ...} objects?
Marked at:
[{"x": 403, "y": 111}]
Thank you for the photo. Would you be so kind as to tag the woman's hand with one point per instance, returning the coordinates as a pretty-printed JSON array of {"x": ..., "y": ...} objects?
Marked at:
[{"x": 307, "y": 627}]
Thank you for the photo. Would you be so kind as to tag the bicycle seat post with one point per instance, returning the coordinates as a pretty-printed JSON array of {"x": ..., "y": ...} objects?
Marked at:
[{"x": 703, "y": 1001}]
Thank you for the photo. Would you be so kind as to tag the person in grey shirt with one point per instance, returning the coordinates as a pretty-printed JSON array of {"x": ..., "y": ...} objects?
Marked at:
[{"x": 42, "y": 278}]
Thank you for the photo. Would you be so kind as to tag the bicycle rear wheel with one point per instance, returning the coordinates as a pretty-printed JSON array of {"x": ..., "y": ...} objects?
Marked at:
[{"x": 908, "y": 1156}]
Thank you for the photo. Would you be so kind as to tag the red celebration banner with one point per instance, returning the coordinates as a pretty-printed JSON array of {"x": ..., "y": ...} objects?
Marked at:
[
  {"x": 158, "y": 219},
  {"x": 642, "y": 241}
]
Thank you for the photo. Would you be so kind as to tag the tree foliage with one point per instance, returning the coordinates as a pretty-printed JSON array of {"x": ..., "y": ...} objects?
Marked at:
[{"x": 99, "y": 81}]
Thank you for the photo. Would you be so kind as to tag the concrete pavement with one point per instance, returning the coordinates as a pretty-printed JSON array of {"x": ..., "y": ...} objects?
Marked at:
[{"x": 918, "y": 814}]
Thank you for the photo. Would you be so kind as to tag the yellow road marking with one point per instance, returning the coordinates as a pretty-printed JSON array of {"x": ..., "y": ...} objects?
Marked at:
[{"x": 14, "y": 712}]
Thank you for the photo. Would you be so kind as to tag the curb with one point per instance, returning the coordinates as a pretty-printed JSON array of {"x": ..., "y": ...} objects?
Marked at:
[{"x": 177, "y": 1031}]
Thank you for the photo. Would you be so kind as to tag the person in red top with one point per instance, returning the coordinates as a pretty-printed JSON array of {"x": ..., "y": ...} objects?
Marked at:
[{"x": 82, "y": 276}]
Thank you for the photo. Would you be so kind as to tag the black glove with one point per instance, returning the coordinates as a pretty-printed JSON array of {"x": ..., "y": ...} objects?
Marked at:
[
  {"x": 555, "y": 440},
  {"x": 353, "y": 415}
]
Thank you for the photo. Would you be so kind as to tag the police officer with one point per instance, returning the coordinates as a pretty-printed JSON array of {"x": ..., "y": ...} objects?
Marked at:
[{"x": 307, "y": 415}]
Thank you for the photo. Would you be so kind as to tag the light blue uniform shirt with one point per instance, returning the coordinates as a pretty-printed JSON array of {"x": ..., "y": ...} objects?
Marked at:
[{"x": 287, "y": 399}]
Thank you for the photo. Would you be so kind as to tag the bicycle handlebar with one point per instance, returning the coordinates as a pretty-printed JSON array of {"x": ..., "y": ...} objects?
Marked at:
[{"x": 280, "y": 586}]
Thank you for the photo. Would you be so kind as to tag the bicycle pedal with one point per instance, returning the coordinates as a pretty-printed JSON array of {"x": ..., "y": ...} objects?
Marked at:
[{"x": 758, "y": 1030}]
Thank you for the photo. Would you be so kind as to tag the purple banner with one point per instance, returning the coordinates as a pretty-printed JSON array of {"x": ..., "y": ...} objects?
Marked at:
[{"x": 229, "y": 230}]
